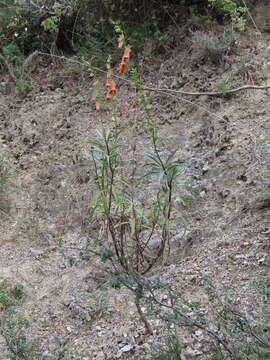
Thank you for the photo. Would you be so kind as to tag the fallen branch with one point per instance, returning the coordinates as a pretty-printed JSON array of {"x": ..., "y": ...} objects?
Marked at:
[{"x": 211, "y": 93}]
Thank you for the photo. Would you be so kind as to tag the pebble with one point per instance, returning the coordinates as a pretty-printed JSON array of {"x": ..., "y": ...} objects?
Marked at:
[
  {"x": 126, "y": 348},
  {"x": 222, "y": 258},
  {"x": 240, "y": 256},
  {"x": 153, "y": 278},
  {"x": 36, "y": 252}
]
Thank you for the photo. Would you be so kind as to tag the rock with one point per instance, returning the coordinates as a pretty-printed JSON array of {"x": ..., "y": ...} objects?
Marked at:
[
  {"x": 205, "y": 168},
  {"x": 261, "y": 258},
  {"x": 126, "y": 348},
  {"x": 153, "y": 278},
  {"x": 239, "y": 256},
  {"x": 202, "y": 194},
  {"x": 222, "y": 258},
  {"x": 36, "y": 252},
  {"x": 154, "y": 243}
]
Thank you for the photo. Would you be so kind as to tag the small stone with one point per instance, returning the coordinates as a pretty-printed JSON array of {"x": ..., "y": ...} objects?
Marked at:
[
  {"x": 262, "y": 258},
  {"x": 199, "y": 333},
  {"x": 244, "y": 244},
  {"x": 126, "y": 348},
  {"x": 69, "y": 328},
  {"x": 202, "y": 194},
  {"x": 154, "y": 243},
  {"x": 153, "y": 278},
  {"x": 205, "y": 168},
  {"x": 222, "y": 258},
  {"x": 257, "y": 244},
  {"x": 240, "y": 256},
  {"x": 36, "y": 252}
]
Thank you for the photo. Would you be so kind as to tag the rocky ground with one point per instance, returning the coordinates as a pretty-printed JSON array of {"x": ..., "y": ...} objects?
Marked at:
[{"x": 45, "y": 218}]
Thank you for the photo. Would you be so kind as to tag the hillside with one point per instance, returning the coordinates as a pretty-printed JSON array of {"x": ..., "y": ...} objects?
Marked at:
[{"x": 45, "y": 219}]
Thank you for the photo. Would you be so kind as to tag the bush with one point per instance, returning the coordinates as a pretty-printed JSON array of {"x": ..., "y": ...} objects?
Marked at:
[
  {"x": 169, "y": 349},
  {"x": 13, "y": 324},
  {"x": 224, "y": 330},
  {"x": 86, "y": 27},
  {"x": 214, "y": 46}
]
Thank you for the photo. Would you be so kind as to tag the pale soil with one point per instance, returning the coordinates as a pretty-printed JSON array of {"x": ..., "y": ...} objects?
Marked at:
[{"x": 45, "y": 217}]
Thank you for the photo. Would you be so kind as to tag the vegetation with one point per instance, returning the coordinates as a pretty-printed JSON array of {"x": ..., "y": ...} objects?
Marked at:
[
  {"x": 136, "y": 232},
  {"x": 225, "y": 331},
  {"x": 13, "y": 324},
  {"x": 4, "y": 173},
  {"x": 132, "y": 227},
  {"x": 68, "y": 26},
  {"x": 214, "y": 46},
  {"x": 169, "y": 349}
]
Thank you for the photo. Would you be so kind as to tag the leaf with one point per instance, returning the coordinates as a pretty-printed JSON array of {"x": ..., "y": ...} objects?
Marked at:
[
  {"x": 154, "y": 158},
  {"x": 151, "y": 172},
  {"x": 115, "y": 283},
  {"x": 101, "y": 286},
  {"x": 94, "y": 201},
  {"x": 171, "y": 156},
  {"x": 132, "y": 222},
  {"x": 182, "y": 199}
]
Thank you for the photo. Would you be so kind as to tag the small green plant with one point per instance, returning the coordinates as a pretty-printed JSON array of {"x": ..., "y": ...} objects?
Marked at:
[
  {"x": 263, "y": 287},
  {"x": 232, "y": 10},
  {"x": 18, "y": 344},
  {"x": 225, "y": 85},
  {"x": 200, "y": 20},
  {"x": 18, "y": 67},
  {"x": 22, "y": 85},
  {"x": 17, "y": 292},
  {"x": 51, "y": 24},
  {"x": 168, "y": 348},
  {"x": 267, "y": 53},
  {"x": 13, "y": 324},
  {"x": 214, "y": 46},
  {"x": 241, "y": 63},
  {"x": 225, "y": 330},
  {"x": 4, "y": 173}
]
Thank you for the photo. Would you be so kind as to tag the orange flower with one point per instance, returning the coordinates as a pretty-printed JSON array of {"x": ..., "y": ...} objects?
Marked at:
[
  {"x": 112, "y": 90},
  {"x": 124, "y": 62},
  {"x": 122, "y": 67},
  {"x": 108, "y": 96},
  {"x": 126, "y": 54},
  {"x": 111, "y": 86},
  {"x": 108, "y": 83}
]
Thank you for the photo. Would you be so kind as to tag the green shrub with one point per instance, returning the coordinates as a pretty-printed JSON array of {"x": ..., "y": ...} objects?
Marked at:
[
  {"x": 169, "y": 349},
  {"x": 233, "y": 9},
  {"x": 86, "y": 27},
  {"x": 13, "y": 324},
  {"x": 224, "y": 329},
  {"x": 214, "y": 46}
]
